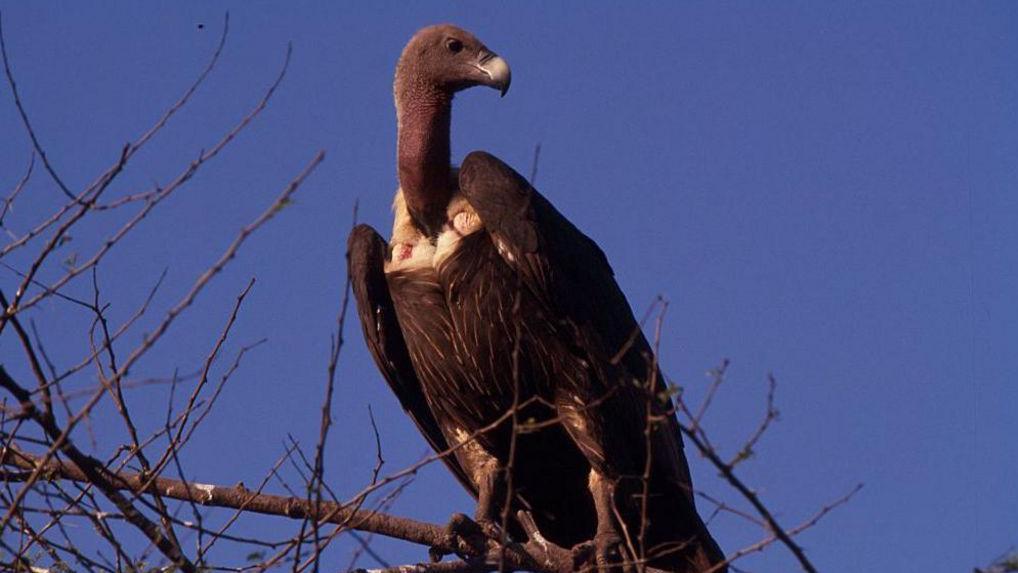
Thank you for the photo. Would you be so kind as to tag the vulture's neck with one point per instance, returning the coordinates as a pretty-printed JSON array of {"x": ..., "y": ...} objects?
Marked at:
[{"x": 424, "y": 118}]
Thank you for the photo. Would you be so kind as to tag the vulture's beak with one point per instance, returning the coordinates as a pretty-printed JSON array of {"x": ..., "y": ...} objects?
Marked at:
[{"x": 497, "y": 71}]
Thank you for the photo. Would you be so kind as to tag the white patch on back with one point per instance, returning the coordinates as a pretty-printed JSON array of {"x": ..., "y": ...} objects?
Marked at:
[
  {"x": 421, "y": 255},
  {"x": 445, "y": 245},
  {"x": 409, "y": 249},
  {"x": 462, "y": 220}
]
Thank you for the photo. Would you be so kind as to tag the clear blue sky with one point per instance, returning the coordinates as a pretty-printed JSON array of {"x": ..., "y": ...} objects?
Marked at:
[{"x": 822, "y": 191}]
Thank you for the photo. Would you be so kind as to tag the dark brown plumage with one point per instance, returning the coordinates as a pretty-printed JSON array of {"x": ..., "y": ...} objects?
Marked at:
[{"x": 487, "y": 297}]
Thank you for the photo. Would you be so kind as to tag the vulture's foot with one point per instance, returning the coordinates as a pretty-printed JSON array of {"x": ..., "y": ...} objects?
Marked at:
[
  {"x": 491, "y": 529},
  {"x": 605, "y": 553},
  {"x": 491, "y": 488},
  {"x": 464, "y": 536},
  {"x": 583, "y": 556},
  {"x": 610, "y": 553}
]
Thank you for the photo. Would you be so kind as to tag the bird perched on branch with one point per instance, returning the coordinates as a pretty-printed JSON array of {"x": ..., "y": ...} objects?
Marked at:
[{"x": 502, "y": 331}]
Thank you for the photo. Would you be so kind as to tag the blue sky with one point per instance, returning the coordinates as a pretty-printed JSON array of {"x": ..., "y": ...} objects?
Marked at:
[{"x": 822, "y": 191}]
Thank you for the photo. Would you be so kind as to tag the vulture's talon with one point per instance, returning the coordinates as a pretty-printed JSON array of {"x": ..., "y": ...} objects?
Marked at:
[
  {"x": 464, "y": 536},
  {"x": 583, "y": 556},
  {"x": 491, "y": 529},
  {"x": 435, "y": 554},
  {"x": 610, "y": 553}
]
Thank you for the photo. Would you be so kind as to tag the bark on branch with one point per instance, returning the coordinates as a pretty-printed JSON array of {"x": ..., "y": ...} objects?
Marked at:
[{"x": 537, "y": 555}]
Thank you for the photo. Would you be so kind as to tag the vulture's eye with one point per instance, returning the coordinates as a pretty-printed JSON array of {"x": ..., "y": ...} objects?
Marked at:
[{"x": 454, "y": 45}]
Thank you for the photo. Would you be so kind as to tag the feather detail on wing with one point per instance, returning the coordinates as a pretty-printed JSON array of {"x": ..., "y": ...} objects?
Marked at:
[{"x": 366, "y": 255}]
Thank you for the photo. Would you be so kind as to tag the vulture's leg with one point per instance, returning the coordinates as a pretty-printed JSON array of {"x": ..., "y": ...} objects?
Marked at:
[
  {"x": 491, "y": 496},
  {"x": 488, "y": 475},
  {"x": 473, "y": 534},
  {"x": 461, "y": 531},
  {"x": 609, "y": 543}
]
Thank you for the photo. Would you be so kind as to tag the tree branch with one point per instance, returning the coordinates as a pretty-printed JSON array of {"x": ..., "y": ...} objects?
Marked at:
[{"x": 537, "y": 555}]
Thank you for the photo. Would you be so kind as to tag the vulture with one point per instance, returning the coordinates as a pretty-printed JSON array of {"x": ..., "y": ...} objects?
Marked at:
[{"x": 500, "y": 328}]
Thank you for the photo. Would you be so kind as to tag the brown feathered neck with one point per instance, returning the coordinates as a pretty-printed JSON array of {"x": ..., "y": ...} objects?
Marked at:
[{"x": 424, "y": 117}]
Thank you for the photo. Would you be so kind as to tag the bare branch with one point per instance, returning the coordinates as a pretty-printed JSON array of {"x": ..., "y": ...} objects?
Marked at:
[
  {"x": 240, "y": 497},
  {"x": 17, "y": 189},
  {"x": 770, "y": 415},
  {"x": 24, "y": 116},
  {"x": 150, "y": 204},
  {"x": 729, "y": 475},
  {"x": 94, "y": 472}
]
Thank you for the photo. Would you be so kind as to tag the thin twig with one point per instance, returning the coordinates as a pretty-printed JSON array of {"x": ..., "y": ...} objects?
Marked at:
[
  {"x": 24, "y": 116},
  {"x": 17, "y": 189}
]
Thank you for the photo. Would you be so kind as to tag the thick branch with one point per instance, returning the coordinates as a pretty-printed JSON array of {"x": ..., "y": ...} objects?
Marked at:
[
  {"x": 239, "y": 497},
  {"x": 537, "y": 555}
]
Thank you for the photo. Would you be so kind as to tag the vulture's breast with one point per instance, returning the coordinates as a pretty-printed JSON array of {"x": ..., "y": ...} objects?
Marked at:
[
  {"x": 411, "y": 250},
  {"x": 442, "y": 292}
]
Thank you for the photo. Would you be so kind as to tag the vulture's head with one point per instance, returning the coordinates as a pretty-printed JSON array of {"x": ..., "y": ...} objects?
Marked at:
[{"x": 444, "y": 59}]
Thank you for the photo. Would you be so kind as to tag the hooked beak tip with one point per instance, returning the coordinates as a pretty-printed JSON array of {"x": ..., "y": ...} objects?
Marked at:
[{"x": 498, "y": 72}]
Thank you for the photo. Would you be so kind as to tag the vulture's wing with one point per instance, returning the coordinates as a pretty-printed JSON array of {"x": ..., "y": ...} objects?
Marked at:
[
  {"x": 366, "y": 254},
  {"x": 567, "y": 270}
]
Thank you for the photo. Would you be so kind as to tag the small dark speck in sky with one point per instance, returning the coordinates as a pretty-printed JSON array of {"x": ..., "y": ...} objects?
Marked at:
[{"x": 201, "y": 26}]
